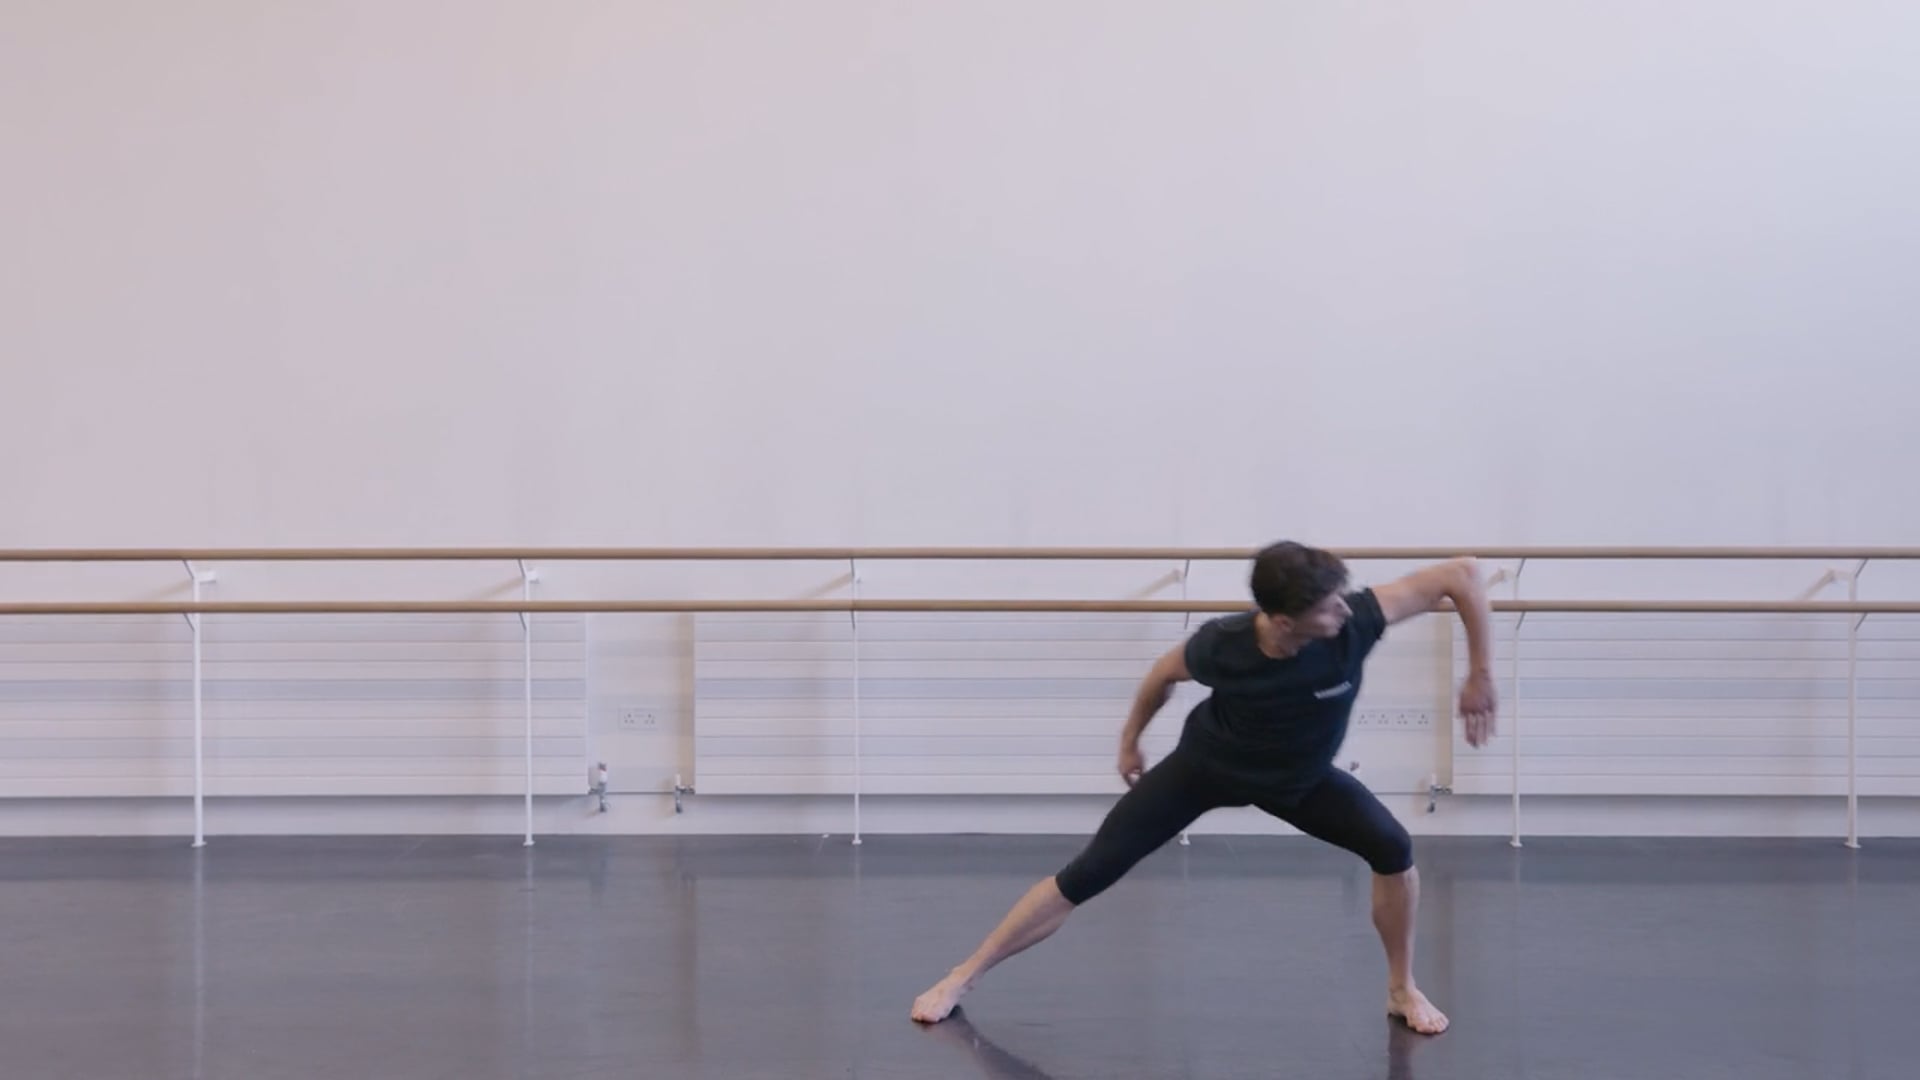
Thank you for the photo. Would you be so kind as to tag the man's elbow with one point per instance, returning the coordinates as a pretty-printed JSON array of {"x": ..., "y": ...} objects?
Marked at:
[
  {"x": 1461, "y": 580},
  {"x": 1466, "y": 570},
  {"x": 1171, "y": 668}
]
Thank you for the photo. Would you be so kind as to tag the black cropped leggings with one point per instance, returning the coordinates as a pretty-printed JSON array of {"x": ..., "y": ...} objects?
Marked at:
[{"x": 1170, "y": 796}]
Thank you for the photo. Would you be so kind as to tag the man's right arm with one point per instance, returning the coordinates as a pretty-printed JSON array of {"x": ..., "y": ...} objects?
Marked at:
[{"x": 1154, "y": 691}]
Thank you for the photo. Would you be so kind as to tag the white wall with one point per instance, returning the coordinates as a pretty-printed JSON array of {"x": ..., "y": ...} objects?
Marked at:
[{"x": 411, "y": 273}]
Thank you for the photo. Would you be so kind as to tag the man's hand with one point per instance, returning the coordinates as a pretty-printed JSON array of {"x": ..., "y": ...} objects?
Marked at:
[
  {"x": 1477, "y": 707},
  {"x": 1132, "y": 763}
]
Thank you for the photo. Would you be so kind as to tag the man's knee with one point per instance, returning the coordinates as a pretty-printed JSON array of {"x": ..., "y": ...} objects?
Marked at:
[
  {"x": 1391, "y": 852},
  {"x": 1107, "y": 858},
  {"x": 1085, "y": 878}
]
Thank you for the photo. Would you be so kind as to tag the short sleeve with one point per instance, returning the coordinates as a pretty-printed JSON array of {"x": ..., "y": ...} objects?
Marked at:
[
  {"x": 1368, "y": 623},
  {"x": 1200, "y": 653}
]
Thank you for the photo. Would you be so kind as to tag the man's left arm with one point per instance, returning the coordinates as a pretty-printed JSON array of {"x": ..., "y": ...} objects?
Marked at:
[{"x": 1457, "y": 581}]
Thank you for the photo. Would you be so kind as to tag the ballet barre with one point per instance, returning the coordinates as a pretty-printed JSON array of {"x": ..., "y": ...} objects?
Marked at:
[
  {"x": 911, "y": 554},
  {"x": 865, "y": 604},
  {"x": 855, "y": 604}
]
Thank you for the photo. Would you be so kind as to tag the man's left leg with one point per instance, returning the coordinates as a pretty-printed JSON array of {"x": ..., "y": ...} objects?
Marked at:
[{"x": 1340, "y": 810}]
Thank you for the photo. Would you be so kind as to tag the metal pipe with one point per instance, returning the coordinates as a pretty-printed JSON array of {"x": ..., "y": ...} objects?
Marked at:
[
  {"x": 199, "y": 724},
  {"x": 1853, "y": 713},
  {"x": 527, "y": 580},
  {"x": 853, "y": 615},
  {"x": 1514, "y": 735},
  {"x": 1186, "y": 572}
]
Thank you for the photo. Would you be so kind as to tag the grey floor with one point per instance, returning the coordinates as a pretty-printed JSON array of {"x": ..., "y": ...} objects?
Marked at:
[{"x": 798, "y": 957}]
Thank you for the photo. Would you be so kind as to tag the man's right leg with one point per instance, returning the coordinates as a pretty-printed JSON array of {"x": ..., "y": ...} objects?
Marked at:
[
  {"x": 1168, "y": 798},
  {"x": 1341, "y": 811}
]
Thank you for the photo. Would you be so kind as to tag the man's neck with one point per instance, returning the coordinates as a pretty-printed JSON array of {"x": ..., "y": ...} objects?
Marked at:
[{"x": 1274, "y": 644}]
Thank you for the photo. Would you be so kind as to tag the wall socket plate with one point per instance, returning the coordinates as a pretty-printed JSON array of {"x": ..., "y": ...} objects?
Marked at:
[
  {"x": 1393, "y": 720},
  {"x": 639, "y": 718}
]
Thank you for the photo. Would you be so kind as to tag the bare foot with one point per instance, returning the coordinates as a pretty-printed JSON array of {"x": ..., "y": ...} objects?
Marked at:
[
  {"x": 1409, "y": 1004},
  {"x": 934, "y": 1005}
]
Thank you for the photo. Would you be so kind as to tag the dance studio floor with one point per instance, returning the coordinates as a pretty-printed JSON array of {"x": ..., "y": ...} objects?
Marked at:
[{"x": 732, "y": 958}]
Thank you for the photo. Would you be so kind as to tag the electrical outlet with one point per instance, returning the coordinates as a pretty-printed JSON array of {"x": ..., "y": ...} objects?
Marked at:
[
  {"x": 639, "y": 718},
  {"x": 1393, "y": 720},
  {"x": 1412, "y": 720}
]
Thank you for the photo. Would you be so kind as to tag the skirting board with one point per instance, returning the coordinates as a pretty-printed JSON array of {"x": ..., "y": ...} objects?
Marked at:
[{"x": 653, "y": 814}]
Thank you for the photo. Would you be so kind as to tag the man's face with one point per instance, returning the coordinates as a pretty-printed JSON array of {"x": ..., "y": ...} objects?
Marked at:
[{"x": 1324, "y": 619}]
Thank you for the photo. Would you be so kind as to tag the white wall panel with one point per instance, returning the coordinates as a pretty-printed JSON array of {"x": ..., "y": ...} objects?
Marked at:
[
  {"x": 1701, "y": 705},
  {"x": 400, "y": 705}
]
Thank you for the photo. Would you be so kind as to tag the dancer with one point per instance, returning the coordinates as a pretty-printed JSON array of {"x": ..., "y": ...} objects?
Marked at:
[{"x": 1283, "y": 679}]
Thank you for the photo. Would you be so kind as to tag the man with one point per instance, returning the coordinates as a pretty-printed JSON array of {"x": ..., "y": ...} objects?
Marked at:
[{"x": 1284, "y": 678}]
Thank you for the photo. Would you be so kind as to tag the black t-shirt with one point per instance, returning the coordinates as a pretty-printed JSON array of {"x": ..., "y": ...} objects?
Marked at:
[{"x": 1273, "y": 723}]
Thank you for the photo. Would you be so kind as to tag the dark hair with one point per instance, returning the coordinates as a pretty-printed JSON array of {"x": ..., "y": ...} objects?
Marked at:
[{"x": 1289, "y": 578}]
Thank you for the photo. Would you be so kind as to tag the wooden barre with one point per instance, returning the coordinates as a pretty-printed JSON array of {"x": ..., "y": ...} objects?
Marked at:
[
  {"x": 1163, "y": 607},
  {"x": 892, "y": 554}
]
